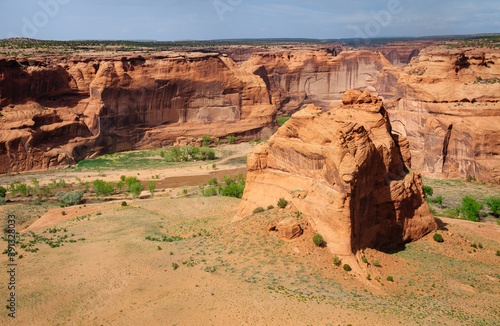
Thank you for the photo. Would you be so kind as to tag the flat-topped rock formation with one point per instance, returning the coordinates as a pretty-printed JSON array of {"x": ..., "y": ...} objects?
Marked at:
[{"x": 344, "y": 171}]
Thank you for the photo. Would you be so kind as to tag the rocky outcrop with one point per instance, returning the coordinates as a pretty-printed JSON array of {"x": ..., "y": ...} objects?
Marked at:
[
  {"x": 345, "y": 172},
  {"x": 62, "y": 111},
  {"x": 296, "y": 79},
  {"x": 447, "y": 106}
]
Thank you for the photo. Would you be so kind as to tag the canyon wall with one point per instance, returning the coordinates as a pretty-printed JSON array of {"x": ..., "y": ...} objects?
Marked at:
[
  {"x": 447, "y": 105},
  {"x": 296, "y": 79},
  {"x": 61, "y": 111}
]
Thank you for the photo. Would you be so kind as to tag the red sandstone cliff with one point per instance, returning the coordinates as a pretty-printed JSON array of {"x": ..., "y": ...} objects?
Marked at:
[
  {"x": 343, "y": 170},
  {"x": 318, "y": 77},
  {"x": 450, "y": 116},
  {"x": 62, "y": 111}
]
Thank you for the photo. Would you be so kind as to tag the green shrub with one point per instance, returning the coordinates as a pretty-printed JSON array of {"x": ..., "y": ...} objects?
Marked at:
[
  {"x": 175, "y": 266},
  {"x": 231, "y": 139},
  {"x": 270, "y": 207},
  {"x": 368, "y": 277},
  {"x": 124, "y": 203},
  {"x": 214, "y": 166},
  {"x": 390, "y": 279},
  {"x": 102, "y": 188},
  {"x": 22, "y": 189},
  {"x": 123, "y": 178},
  {"x": 282, "y": 202},
  {"x": 209, "y": 192},
  {"x": 120, "y": 185},
  {"x": 228, "y": 180},
  {"x": 438, "y": 237},
  {"x": 258, "y": 210},
  {"x": 480, "y": 245},
  {"x": 428, "y": 191},
  {"x": 438, "y": 200},
  {"x": 364, "y": 259},
  {"x": 3, "y": 191},
  {"x": 234, "y": 190},
  {"x": 63, "y": 213},
  {"x": 206, "y": 140},
  {"x": 470, "y": 209},
  {"x": 347, "y": 268},
  {"x": 376, "y": 263},
  {"x": 151, "y": 188},
  {"x": 71, "y": 197},
  {"x": 498, "y": 253},
  {"x": 473, "y": 245},
  {"x": 493, "y": 204},
  {"x": 336, "y": 260},
  {"x": 318, "y": 239},
  {"x": 136, "y": 188},
  {"x": 213, "y": 182}
]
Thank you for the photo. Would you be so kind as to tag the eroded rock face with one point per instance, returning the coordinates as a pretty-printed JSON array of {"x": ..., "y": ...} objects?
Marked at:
[
  {"x": 317, "y": 77},
  {"x": 63, "y": 111},
  {"x": 447, "y": 106},
  {"x": 350, "y": 174}
]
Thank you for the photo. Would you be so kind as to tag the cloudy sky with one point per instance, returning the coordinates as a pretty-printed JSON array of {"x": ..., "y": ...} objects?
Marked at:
[{"x": 167, "y": 20}]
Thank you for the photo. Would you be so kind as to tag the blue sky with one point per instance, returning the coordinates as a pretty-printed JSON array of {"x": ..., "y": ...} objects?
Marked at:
[{"x": 166, "y": 20}]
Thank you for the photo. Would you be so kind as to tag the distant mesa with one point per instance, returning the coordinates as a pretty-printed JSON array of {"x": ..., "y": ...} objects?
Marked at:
[{"x": 346, "y": 173}]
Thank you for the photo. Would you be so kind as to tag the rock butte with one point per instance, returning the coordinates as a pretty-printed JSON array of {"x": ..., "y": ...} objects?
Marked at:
[{"x": 344, "y": 171}]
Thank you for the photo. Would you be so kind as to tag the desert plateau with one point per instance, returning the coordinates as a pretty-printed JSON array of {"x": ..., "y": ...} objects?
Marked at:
[{"x": 249, "y": 180}]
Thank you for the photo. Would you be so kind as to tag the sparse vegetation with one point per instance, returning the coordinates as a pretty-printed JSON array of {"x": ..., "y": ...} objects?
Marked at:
[
  {"x": 282, "y": 120},
  {"x": 231, "y": 139},
  {"x": 364, "y": 260}
]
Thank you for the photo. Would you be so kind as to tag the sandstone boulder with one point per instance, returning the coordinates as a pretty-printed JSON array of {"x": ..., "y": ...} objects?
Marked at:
[{"x": 359, "y": 193}]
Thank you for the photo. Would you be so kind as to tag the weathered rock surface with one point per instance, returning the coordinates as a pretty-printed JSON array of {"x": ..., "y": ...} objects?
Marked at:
[
  {"x": 349, "y": 173},
  {"x": 63, "y": 111},
  {"x": 447, "y": 106},
  {"x": 296, "y": 79}
]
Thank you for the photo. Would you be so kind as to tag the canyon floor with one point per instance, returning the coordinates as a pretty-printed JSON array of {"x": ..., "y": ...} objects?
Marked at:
[{"x": 179, "y": 258}]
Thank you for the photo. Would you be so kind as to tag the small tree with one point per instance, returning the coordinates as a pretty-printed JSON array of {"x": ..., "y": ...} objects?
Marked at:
[
  {"x": 470, "y": 208},
  {"x": 3, "y": 192},
  {"x": 493, "y": 204},
  {"x": 318, "y": 239},
  {"x": 428, "y": 191},
  {"x": 347, "y": 268},
  {"x": 102, "y": 188},
  {"x": 151, "y": 188},
  {"x": 136, "y": 188}
]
